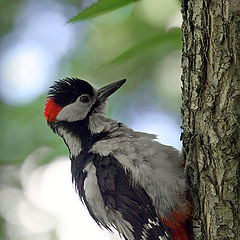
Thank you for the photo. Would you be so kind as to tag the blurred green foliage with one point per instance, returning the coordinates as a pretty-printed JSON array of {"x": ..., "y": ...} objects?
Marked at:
[
  {"x": 167, "y": 41},
  {"x": 125, "y": 43},
  {"x": 23, "y": 130},
  {"x": 7, "y": 12},
  {"x": 99, "y": 60}
]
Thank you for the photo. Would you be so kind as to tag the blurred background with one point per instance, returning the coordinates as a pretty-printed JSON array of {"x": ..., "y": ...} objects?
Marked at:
[{"x": 37, "y": 46}]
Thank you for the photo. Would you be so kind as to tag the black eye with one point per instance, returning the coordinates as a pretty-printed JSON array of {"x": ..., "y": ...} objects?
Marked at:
[{"x": 84, "y": 99}]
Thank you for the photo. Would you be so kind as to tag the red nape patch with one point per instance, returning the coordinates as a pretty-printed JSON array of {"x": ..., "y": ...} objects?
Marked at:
[{"x": 51, "y": 110}]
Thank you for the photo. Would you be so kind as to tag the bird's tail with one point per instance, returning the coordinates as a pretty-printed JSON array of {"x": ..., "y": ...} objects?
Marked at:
[{"x": 179, "y": 224}]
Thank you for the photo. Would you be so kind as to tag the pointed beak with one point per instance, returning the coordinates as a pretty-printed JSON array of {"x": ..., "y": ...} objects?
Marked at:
[{"x": 105, "y": 92}]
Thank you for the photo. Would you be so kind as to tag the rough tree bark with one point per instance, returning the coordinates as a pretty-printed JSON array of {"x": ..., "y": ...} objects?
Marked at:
[{"x": 211, "y": 115}]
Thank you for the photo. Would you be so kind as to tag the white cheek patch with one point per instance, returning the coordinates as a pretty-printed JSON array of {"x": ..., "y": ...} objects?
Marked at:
[{"x": 74, "y": 111}]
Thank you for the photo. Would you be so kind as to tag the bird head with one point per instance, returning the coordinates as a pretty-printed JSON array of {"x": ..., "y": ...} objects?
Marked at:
[{"x": 73, "y": 99}]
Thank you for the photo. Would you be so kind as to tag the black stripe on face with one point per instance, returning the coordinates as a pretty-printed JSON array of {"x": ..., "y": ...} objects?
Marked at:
[{"x": 68, "y": 90}]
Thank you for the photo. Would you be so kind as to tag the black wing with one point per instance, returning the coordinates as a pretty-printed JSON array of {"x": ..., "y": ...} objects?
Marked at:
[{"x": 120, "y": 194}]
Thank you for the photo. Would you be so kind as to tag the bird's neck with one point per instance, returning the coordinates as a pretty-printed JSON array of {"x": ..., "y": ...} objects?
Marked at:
[
  {"x": 98, "y": 123},
  {"x": 79, "y": 136}
]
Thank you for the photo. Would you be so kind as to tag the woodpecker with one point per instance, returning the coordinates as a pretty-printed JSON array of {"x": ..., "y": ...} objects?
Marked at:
[{"x": 127, "y": 180}]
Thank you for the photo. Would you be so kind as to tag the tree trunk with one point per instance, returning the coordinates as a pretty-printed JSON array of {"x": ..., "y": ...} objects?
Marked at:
[{"x": 211, "y": 115}]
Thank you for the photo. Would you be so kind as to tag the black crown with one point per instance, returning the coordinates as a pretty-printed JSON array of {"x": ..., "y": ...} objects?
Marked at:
[{"x": 68, "y": 90}]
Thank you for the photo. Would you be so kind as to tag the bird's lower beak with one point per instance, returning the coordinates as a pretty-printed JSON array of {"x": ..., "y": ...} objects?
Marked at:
[{"x": 105, "y": 92}]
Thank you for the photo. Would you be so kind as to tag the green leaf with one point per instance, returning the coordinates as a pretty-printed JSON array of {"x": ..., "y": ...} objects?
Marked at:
[
  {"x": 171, "y": 39},
  {"x": 100, "y": 7}
]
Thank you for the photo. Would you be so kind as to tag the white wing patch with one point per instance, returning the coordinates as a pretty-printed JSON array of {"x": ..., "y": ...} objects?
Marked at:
[
  {"x": 93, "y": 194},
  {"x": 105, "y": 215}
]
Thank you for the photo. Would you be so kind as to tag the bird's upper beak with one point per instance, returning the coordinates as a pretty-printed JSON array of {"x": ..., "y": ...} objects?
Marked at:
[{"x": 106, "y": 91}]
